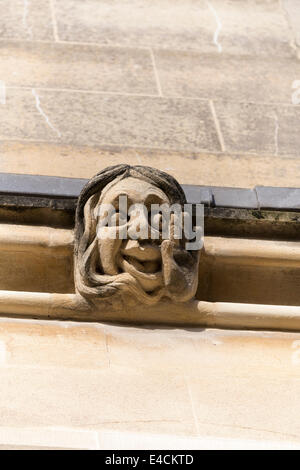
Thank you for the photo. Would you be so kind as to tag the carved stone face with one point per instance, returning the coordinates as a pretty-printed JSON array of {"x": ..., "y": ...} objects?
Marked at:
[
  {"x": 140, "y": 257},
  {"x": 140, "y": 267}
]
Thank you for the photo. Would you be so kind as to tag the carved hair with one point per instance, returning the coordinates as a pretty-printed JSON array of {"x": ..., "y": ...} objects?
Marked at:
[{"x": 89, "y": 280}]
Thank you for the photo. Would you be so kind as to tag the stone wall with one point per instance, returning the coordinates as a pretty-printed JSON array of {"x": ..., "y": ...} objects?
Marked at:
[{"x": 201, "y": 89}]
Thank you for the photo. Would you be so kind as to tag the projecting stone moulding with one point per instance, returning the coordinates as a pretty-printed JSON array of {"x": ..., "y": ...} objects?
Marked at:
[{"x": 128, "y": 270}]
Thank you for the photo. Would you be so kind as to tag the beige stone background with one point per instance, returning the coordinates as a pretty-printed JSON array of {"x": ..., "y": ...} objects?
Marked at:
[
  {"x": 202, "y": 89},
  {"x": 107, "y": 386}
]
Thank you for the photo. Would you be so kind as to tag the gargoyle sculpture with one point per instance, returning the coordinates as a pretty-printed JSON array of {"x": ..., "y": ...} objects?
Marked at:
[{"x": 123, "y": 255}]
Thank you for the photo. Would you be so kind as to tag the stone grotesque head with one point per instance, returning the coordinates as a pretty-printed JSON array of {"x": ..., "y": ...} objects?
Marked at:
[{"x": 139, "y": 267}]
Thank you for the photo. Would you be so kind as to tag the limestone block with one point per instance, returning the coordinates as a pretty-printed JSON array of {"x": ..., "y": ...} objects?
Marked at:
[{"x": 115, "y": 380}]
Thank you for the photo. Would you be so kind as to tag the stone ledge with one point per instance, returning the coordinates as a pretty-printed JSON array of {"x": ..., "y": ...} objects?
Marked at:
[
  {"x": 260, "y": 197},
  {"x": 266, "y": 212},
  {"x": 232, "y": 269}
]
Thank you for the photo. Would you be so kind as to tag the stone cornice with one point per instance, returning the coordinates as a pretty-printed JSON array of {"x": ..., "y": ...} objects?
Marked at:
[{"x": 248, "y": 270}]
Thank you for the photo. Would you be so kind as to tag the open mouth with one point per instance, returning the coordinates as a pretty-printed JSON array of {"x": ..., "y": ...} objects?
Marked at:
[
  {"x": 147, "y": 267},
  {"x": 145, "y": 259},
  {"x": 143, "y": 262}
]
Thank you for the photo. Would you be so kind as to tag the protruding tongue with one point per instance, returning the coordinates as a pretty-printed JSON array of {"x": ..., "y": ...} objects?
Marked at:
[{"x": 141, "y": 252}]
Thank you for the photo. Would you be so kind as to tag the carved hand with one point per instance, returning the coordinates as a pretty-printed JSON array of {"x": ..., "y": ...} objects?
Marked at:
[{"x": 180, "y": 277}]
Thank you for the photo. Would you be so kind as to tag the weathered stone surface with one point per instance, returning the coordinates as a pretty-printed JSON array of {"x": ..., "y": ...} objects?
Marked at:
[
  {"x": 203, "y": 50},
  {"x": 88, "y": 379},
  {"x": 162, "y": 381},
  {"x": 83, "y": 118},
  {"x": 241, "y": 27},
  {"x": 36, "y": 272},
  {"x": 259, "y": 129},
  {"x": 82, "y": 67},
  {"x": 249, "y": 282},
  {"x": 188, "y": 167},
  {"x": 77, "y": 363},
  {"x": 196, "y": 194},
  {"x": 128, "y": 263},
  {"x": 232, "y": 269},
  {"x": 228, "y": 77},
  {"x": 235, "y": 197},
  {"x": 38, "y": 185},
  {"x": 28, "y": 20},
  {"x": 292, "y": 8},
  {"x": 222, "y": 221},
  {"x": 282, "y": 198},
  {"x": 36, "y": 259}
]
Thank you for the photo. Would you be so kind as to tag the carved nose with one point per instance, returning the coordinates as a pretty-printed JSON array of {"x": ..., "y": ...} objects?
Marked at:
[{"x": 138, "y": 228}]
